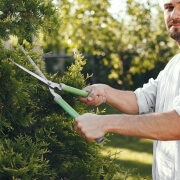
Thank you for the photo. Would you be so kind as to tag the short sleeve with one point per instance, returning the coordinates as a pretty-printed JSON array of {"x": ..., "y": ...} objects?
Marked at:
[{"x": 146, "y": 96}]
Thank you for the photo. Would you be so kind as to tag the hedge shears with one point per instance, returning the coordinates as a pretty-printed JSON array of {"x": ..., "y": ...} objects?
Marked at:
[{"x": 51, "y": 85}]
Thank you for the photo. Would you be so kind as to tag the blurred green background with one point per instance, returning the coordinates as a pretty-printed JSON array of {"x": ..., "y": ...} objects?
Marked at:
[{"x": 124, "y": 44}]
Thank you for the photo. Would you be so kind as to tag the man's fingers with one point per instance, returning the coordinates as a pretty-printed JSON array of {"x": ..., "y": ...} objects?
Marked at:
[
  {"x": 98, "y": 100},
  {"x": 78, "y": 128},
  {"x": 83, "y": 100},
  {"x": 84, "y": 134},
  {"x": 89, "y": 139},
  {"x": 76, "y": 124},
  {"x": 91, "y": 98},
  {"x": 81, "y": 131},
  {"x": 92, "y": 95}
]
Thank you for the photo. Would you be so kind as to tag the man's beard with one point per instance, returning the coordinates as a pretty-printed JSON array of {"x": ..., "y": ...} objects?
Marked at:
[{"x": 175, "y": 34}]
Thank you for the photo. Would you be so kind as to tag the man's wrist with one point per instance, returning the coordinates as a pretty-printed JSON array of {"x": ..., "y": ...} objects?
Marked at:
[
  {"x": 106, "y": 90},
  {"x": 107, "y": 123}
]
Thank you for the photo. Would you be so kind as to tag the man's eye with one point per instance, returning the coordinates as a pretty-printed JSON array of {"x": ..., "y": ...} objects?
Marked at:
[{"x": 169, "y": 8}]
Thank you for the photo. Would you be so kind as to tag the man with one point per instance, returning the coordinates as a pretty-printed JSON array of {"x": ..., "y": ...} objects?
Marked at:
[{"x": 163, "y": 94}]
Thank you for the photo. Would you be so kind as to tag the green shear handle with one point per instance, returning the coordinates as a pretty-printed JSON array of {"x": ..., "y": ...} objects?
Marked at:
[
  {"x": 72, "y": 112},
  {"x": 73, "y": 90}
]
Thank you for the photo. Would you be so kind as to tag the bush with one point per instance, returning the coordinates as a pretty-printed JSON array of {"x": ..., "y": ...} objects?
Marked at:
[{"x": 38, "y": 140}]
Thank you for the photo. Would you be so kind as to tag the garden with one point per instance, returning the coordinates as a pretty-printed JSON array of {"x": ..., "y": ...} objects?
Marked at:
[{"x": 85, "y": 44}]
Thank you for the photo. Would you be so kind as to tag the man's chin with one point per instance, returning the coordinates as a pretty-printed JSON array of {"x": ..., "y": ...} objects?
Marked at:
[{"x": 175, "y": 34}]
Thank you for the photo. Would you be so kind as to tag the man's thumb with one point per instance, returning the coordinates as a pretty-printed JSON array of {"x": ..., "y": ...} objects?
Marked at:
[
  {"x": 91, "y": 95},
  {"x": 90, "y": 98}
]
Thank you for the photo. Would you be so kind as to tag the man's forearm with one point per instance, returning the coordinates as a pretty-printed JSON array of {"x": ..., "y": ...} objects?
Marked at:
[
  {"x": 161, "y": 126},
  {"x": 125, "y": 101}
]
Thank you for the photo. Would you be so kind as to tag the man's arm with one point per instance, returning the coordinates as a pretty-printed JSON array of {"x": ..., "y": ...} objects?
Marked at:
[
  {"x": 160, "y": 126},
  {"x": 125, "y": 101}
]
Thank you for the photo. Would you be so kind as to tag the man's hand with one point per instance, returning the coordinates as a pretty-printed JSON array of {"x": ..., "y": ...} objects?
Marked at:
[
  {"x": 90, "y": 126},
  {"x": 96, "y": 95}
]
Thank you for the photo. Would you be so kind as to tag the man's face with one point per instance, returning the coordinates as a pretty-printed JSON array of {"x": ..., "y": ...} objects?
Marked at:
[{"x": 172, "y": 18}]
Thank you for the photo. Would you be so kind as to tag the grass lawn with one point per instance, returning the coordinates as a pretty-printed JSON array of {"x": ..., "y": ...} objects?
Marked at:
[{"x": 134, "y": 154}]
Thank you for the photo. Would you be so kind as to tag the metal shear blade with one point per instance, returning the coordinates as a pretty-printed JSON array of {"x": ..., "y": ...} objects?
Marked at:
[{"x": 45, "y": 81}]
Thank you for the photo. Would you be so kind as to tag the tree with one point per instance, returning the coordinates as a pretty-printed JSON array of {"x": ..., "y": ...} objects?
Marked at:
[
  {"x": 24, "y": 18},
  {"x": 127, "y": 51},
  {"x": 149, "y": 47},
  {"x": 145, "y": 46},
  {"x": 88, "y": 27}
]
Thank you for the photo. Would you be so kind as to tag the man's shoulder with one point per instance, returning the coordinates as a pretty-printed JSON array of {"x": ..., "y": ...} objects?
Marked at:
[
  {"x": 173, "y": 61},
  {"x": 176, "y": 58},
  {"x": 171, "y": 64}
]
